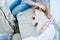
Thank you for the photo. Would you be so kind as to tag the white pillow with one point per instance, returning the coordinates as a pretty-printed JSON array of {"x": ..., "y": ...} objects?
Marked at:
[
  {"x": 5, "y": 28},
  {"x": 25, "y": 23},
  {"x": 9, "y": 2}
]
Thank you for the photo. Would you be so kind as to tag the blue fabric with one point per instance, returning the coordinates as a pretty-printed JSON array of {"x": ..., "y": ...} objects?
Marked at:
[
  {"x": 20, "y": 8},
  {"x": 5, "y": 38},
  {"x": 14, "y": 4},
  {"x": 17, "y": 2},
  {"x": 22, "y": 5},
  {"x": 28, "y": 1}
]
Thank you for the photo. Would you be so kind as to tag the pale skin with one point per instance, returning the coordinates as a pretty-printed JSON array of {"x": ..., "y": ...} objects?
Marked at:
[
  {"x": 48, "y": 12},
  {"x": 39, "y": 5},
  {"x": 47, "y": 8},
  {"x": 44, "y": 27}
]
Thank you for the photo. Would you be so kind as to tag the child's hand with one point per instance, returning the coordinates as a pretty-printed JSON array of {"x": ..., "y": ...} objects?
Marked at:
[{"x": 44, "y": 27}]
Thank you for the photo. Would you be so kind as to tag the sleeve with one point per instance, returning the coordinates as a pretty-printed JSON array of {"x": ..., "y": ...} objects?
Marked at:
[
  {"x": 28, "y": 2},
  {"x": 47, "y": 2}
]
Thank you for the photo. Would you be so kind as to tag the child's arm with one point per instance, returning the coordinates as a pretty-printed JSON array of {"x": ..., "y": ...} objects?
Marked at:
[
  {"x": 48, "y": 12},
  {"x": 39, "y": 5}
]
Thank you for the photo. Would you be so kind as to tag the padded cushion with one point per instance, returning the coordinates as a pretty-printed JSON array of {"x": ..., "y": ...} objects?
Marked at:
[{"x": 25, "y": 24}]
